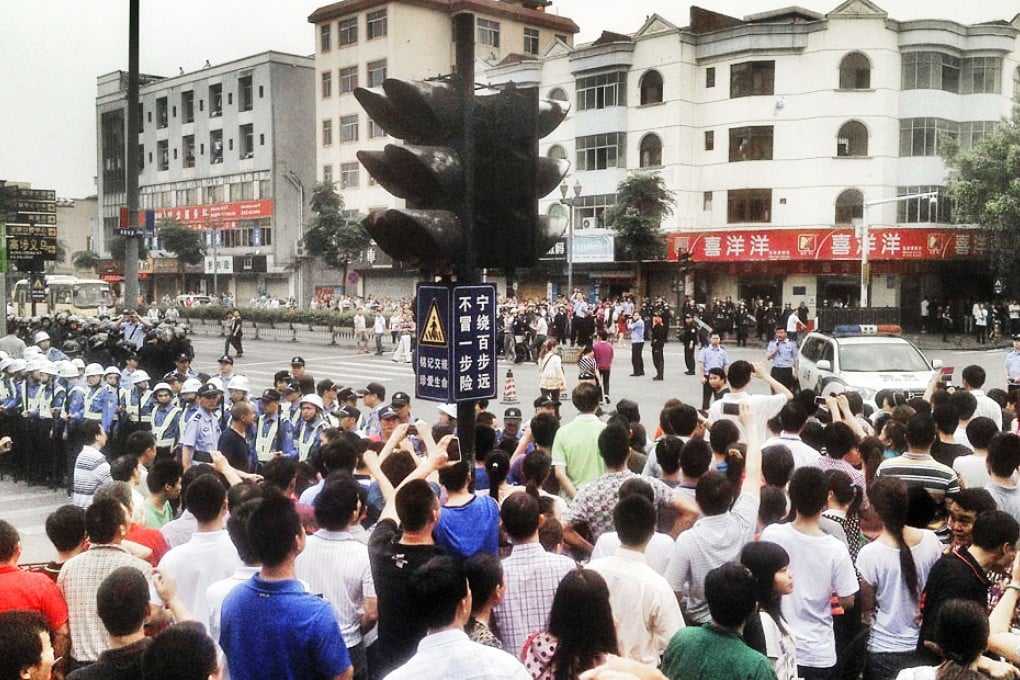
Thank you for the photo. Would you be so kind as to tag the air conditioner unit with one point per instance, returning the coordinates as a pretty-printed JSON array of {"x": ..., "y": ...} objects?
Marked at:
[{"x": 586, "y": 224}]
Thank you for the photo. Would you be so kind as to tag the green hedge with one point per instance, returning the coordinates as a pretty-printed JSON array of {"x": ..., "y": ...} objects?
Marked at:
[{"x": 279, "y": 317}]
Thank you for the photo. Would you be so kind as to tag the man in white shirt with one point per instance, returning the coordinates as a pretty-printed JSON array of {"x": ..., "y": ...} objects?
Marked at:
[
  {"x": 766, "y": 407},
  {"x": 973, "y": 380},
  {"x": 446, "y": 653},
  {"x": 645, "y": 609},
  {"x": 335, "y": 563},
  {"x": 793, "y": 416},
  {"x": 822, "y": 565},
  {"x": 209, "y": 555}
]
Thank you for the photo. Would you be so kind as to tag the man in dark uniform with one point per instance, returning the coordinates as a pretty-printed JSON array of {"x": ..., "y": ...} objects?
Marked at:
[
  {"x": 689, "y": 336},
  {"x": 659, "y": 333}
]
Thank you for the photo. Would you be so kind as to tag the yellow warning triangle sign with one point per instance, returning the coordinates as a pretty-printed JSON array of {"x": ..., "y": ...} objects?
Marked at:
[
  {"x": 433, "y": 334},
  {"x": 38, "y": 284}
]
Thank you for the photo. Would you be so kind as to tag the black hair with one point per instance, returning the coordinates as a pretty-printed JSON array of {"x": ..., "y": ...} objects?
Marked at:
[
  {"x": 667, "y": 453},
  {"x": 195, "y": 472},
  {"x": 339, "y": 454},
  {"x": 772, "y": 508},
  {"x": 638, "y": 437},
  {"x": 103, "y": 518},
  {"x": 205, "y": 498},
  {"x": 337, "y": 501},
  {"x": 497, "y": 467},
  {"x": 634, "y": 519},
  {"x": 946, "y": 418},
  {"x": 1003, "y": 454},
  {"x": 974, "y": 376},
  {"x": 777, "y": 465},
  {"x": 919, "y": 405},
  {"x": 21, "y": 644},
  {"x": 543, "y": 429},
  {"x": 123, "y": 468},
  {"x": 732, "y": 594},
  {"x": 614, "y": 445},
  {"x": 485, "y": 441},
  {"x": 9, "y": 540},
  {"x": 680, "y": 419},
  {"x": 845, "y": 490},
  {"x": 855, "y": 401},
  {"x": 980, "y": 431},
  {"x": 520, "y": 513},
  {"x": 280, "y": 472},
  {"x": 586, "y": 397},
  {"x": 397, "y": 466},
  {"x": 65, "y": 527},
  {"x": 455, "y": 476},
  {"x": 764, "y": 559},
  {"x": 628, "y": 408},
  {"x": 535, "y": 469},
  {"x": 974, "y": 499},
  {"x": 164, "y": 471},
  {"x": 415, "y": 503},
  {"x": 961, "y": 634},
  {"x": 964, "y": 402},
  {"x": 122, "y": 601},
  {"x": 714, "y": 493},
  {"x": 484, "y": 572},
  {"x": 88, "y": 430},
  {"x": 695, "y": 458},
  {"x": 438, "y": 586},
  {"x": 581, "y": 620},
  {"x": 993, "y": 528},
  {"x": 896, "y": 433},
  {"x": 872, "y": 452},
  {"x": 271, "y": 530},
  {"x": 839, "y": 439},
  {"x": 739, "y": 373},
  {"x": 723, "y": 435},
  {"x": 920, "y": 432},
  {"x": 793, "y": 416},
  {"x": 237, "y": 528},
  {"x": 809, "y": 491},
  {"x": 813, "y": 434},
  {"x": 139, "y": 442},
  {"x": 889, "y": 498},
  {"x": 181, "y": 652},
  {"x": 999, "y": 396}
]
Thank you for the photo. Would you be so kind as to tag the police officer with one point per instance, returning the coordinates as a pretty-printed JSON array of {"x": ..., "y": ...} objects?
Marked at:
[
  {"x": 712, "y": 356},
  {"x": 782, "y": 352},
  {"x": 203, "y": 430},
  {"x": 165, "y": 419},
  {"x": 273, "y": 433},
  {"x": 182, "y": 369},
  {"x": 42, "y": 339},
  {"x": 309, "y": 426},
  {"x": 659, "y": 333},
  {"x": 1012, "y": 365},
  {"x": 689, "y": 336}
]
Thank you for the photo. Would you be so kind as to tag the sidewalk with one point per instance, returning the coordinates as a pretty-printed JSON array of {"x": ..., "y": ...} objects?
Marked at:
[{"x": 927, "y": 342}]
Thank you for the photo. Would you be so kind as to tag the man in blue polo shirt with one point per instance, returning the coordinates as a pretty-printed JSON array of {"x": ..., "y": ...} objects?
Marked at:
[
  {"x": 782, "y": 352},
  {"x": 270, "y": 626}
]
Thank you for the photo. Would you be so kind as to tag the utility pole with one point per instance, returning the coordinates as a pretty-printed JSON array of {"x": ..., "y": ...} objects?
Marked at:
[{"x": 130, "y": 288}]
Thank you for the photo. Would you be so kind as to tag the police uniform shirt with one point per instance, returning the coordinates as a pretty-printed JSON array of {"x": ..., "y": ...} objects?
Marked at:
[
  {"x": 786, "y": 353},
  {"x": 713, "y": 357},
  {"x": 1013, "y": 366},
  {"x": 203, "y": 432}
]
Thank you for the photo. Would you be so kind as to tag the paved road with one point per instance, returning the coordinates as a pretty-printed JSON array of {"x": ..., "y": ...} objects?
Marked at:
[{"x": 27, "y": 507}]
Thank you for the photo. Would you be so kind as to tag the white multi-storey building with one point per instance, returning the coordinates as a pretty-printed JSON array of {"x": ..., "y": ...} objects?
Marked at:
[
  {"x": 361, "y": 43},
  {"x": 226, "y": 149},
  {"x": 775, "y": 131}
]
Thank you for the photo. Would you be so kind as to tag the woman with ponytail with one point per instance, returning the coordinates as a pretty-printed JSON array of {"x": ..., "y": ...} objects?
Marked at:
[
  {"x": 767, "y": 632},
  {"x": 960, "y": 636},
  {"x": 894, "y": 569},
  {"x": 534, "y": 471}
]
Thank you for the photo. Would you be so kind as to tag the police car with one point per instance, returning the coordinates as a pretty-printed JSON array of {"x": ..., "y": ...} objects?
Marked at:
[{"x": 863, "y": 359}]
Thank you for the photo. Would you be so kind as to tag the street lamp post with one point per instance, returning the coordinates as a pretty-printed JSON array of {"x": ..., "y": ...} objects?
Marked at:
[
  {"x": 569, "y": 202},
  {"x": 296, "y": 182},
  {"x": 865, "y": 237}
]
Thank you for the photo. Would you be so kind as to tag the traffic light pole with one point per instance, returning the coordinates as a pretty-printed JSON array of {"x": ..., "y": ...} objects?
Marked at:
[
  {"x": 467, "y": 271},
  {"x": 130, "y": 288}
]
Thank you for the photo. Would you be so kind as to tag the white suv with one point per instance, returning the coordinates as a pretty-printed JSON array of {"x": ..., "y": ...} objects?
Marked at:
[{"x": 863, "y": 363}]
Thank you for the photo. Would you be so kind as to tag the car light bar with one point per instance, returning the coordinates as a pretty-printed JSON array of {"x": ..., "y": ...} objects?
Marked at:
[{"x": 866, "y": 329}]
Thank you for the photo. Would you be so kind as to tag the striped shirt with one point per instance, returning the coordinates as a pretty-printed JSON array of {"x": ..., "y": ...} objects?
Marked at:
[
  {"x": 920, "y": 469},
  {"x": 90, "y": 472},
  {"x": 336, "y": 564}
]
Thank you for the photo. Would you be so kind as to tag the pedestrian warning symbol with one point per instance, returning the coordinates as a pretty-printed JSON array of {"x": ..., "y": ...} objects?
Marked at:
[{"x": 433, "y": 334}]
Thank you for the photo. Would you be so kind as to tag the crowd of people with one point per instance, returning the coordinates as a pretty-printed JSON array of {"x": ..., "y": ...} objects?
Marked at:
[{"x": 312, "y": 529}]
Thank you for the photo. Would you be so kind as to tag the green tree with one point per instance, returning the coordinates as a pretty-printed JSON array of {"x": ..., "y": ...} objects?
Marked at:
[
  {"x": 186, "y": 243},
  {"x": 118, "y": 248},
  {"x": 642, "y": 201},
  {"x": 85, "y": 259},
  {"x": 337, "y": 239},
  {"x": 984, "y": 183},
  {"x": 61, "y": 255}
]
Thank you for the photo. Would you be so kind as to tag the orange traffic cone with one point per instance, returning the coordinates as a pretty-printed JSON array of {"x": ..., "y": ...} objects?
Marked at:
[{"x": 509, "y": 389}]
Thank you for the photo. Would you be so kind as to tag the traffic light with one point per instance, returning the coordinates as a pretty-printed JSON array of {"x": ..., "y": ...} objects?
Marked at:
[{"x": 497, "y": 144}]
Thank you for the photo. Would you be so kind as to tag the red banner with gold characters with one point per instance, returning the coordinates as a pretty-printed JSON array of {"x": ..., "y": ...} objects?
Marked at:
[
  {"x": 885, "y": 243},
  {"x": 219, "y": 215}
]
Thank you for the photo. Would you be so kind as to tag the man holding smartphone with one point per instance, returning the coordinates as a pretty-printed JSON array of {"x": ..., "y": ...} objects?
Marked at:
[{"x": 765, "y": 406}]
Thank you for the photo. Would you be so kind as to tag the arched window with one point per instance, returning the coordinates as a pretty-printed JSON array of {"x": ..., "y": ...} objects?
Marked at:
[
  {"x": 651, "y": 88},
  {"x": 556, "y": 151},
  {"x": 559, "y": 94},
  {"x": 855, "y": 72},
  {"x": 852, "y": 139},
  {"x": 651, "y": 151},
  {"x": 849, "y": 207}
]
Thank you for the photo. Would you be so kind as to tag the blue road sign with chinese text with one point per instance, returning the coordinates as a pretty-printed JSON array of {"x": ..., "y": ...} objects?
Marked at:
[{"x": 456, "y": 355}]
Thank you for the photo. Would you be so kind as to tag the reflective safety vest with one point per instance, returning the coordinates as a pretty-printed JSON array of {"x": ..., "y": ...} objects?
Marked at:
[
  {"x": 160, "y": 428},
  {"x": 39, "y": 401},
  {"x": 136, "y": 408},
  {"x": 265, "y": 439},
  {"x": 308, "y": 437},
  {"x": 91, "y": 397}
]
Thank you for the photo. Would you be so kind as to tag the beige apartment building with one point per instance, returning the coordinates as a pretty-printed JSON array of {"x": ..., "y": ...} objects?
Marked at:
[{"x": 360, "y": 43}]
